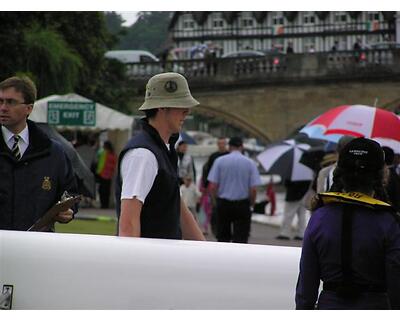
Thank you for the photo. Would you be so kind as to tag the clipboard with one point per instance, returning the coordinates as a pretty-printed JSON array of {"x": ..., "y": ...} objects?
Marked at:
[{"x": 48, "y": 218}]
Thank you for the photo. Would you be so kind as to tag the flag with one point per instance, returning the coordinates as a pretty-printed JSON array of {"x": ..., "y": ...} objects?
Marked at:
[
  {"x": 373, "y": 25},
  {"x": 279, "y": 29}
]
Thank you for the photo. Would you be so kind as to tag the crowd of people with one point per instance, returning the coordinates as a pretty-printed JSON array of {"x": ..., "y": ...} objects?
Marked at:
[{"x": 351, "y": 243}]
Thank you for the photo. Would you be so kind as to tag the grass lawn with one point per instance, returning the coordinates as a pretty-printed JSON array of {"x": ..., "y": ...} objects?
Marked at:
[{"x": 88, "y": 227}]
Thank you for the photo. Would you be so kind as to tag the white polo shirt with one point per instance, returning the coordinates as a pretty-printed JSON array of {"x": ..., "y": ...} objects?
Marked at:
[{"x": 139, "y": 169}]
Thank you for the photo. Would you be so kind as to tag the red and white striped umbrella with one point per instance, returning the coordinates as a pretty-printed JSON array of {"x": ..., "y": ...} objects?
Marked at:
[
  {"x": 355, "y": 120},
  {"x": 393, "y": 144}
]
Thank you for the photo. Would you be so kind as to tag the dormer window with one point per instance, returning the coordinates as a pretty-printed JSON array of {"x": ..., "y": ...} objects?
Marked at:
[
  {"x": 277, "y": 18},
  {"x": 340, "y": 17},
  {"x": 218, "y": 23},
  {"x": 373, "y": 16},
  {"x": 309, "y": 18},
  {"x": 247, "y": 22},
  {"x": 188, "y": 24}
]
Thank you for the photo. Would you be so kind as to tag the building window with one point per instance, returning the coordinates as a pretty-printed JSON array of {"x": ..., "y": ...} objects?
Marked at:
[
  {"x": 247, "y": 23},
  {"x": 277, "y": 18},
  {"x": 218, "y": 23},
  {"x": 188, "y": 24},
  {"x": 340, "y": 17},
  {"x": 308, "y": 18},
  {"x": 373, "y": 23},
  {"x": 373, "y": 16}
]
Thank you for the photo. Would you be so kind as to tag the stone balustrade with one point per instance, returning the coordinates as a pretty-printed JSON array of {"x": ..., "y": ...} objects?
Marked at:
[{"x": 277, "y": 68}]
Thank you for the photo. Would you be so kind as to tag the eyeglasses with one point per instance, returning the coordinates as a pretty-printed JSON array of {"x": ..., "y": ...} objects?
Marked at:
[{"x": 10, "y": 102}]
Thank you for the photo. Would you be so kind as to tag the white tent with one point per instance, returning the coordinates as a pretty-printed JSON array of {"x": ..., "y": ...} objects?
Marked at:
[
  {"x": 119, "y": 125},
  {"x": 106, "y": 118}
]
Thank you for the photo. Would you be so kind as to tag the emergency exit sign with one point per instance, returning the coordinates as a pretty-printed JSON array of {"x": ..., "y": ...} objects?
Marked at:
[{"x": 71, "y": 113}]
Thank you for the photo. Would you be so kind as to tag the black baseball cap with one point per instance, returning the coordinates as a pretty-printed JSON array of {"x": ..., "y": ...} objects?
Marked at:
[
  {"x": 235, "y": 142},
  {"x": 362, "y": 154}
]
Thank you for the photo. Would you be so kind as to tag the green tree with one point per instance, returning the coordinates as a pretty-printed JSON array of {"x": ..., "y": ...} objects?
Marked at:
[
  {"x": 12, "y": 53},
  {"x": 149, "y": 32},
  {"x": 63, "y": 52},
  {"x": 114, "y": 23},
  {"x": 114, "y": 87},
  {"x": 54, "y": 65},
  {"x": 83, "y": 33},
  {"x": 87, "y": 34}
]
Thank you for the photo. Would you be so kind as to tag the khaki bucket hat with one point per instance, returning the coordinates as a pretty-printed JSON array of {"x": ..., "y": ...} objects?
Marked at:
[{"x": 168, "y": 90}]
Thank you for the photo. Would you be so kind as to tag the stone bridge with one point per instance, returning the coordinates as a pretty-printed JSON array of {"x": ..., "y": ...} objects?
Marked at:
[{"x": 268, "y": 97}]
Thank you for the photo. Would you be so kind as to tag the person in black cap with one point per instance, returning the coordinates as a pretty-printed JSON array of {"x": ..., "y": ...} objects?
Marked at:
[
  {"x": 233, "y": 179},
  {"x": 352, "y": 241},
  {"x": 325, "y": 175}
]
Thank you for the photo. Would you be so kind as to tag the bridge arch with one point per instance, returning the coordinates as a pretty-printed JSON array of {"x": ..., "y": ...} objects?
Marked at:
[
  {"x": 272, "y": 112},
  {"x": 234, "y": 120}
]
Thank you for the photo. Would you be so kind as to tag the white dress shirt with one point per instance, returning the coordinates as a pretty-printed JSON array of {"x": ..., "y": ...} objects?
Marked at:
[{"x": 23, "y": 143}]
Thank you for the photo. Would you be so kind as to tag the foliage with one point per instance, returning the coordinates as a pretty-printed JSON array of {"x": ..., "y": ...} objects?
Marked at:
[
  {"x": 114, "y": 23},
  {"x": 63, "y": 52},
  {"x": 149, "y": 32},
  {"x": 55, "y": 66},
  {"x": 81, "y": 33},
  {"x": 12, "y": 53},
  {"x": 115, "y": 88},
  {"x": 86, "y": 33}
]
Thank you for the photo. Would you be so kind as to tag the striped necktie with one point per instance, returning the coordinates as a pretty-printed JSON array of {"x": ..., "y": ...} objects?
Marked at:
[{"x": 15, "y": 149}]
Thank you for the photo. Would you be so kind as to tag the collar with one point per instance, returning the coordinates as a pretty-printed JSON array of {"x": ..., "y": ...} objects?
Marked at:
[
  {"x": 39, "y": 142},
  {"x": 154, "y": 133},
  {"x": 169, "y": 149},
  {"x": 357, "y": 198},
  {"x": 8, "y": 135}
]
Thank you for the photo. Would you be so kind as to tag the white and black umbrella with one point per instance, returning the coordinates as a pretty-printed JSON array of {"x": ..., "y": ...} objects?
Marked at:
[{"x": 283, "y": 158}]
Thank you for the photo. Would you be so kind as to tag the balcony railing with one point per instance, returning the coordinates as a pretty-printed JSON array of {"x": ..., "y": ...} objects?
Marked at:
[
  {"x": 278, "y": 30},
  {"x": 278, "y": 67}
]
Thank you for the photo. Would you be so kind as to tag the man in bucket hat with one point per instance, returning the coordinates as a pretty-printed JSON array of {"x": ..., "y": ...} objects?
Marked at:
[{"x": 147, "y": 191}]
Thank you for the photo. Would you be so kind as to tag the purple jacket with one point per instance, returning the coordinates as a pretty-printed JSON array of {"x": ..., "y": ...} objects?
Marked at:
[{"x": 375, "y": 258}]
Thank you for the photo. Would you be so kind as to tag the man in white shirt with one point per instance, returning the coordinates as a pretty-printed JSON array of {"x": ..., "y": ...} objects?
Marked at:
[{"x": 147, "y": 191}]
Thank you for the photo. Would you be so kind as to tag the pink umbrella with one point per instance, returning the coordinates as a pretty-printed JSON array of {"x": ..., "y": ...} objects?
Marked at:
[{"x": 354, "y": 120}]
